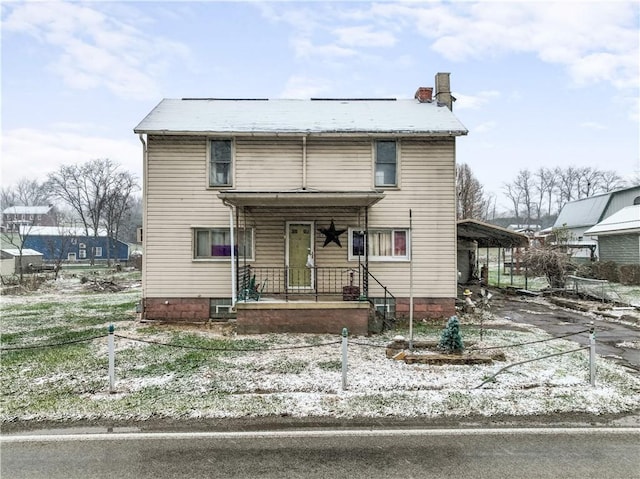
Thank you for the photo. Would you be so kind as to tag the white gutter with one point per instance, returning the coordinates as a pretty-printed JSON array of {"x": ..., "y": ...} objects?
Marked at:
[
  {"x": 145, "y": 169},
  {"x": 304, "y": 162},
  {"x": 233, "y": 258}
]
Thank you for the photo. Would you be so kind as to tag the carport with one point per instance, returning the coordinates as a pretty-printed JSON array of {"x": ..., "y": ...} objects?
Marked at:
[{"x": 473, "y": 236}]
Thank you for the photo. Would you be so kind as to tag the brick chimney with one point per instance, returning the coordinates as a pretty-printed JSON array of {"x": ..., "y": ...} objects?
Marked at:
[
  {"x": 424, "y": 94},
  {"x": 443, "y": 90}
]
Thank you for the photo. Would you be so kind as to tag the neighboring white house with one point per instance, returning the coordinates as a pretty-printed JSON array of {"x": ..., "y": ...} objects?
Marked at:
[{"x": 619, "y": 236}]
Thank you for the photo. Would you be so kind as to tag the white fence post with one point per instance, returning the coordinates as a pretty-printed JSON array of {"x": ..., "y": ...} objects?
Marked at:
[
  {"x": 112, "y": 360},
  {"x": 345, "y": 333},
  {"x": 592, "y": 354}
]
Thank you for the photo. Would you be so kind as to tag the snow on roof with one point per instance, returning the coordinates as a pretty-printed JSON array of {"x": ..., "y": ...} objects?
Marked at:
[
  {"x": 300, "y": 117},
  {"x": 56, "y": 231},
  {"x": 25, "y": 252},
  {"x": 626, "y": 220},
  {"x": 27, "y": 210}
]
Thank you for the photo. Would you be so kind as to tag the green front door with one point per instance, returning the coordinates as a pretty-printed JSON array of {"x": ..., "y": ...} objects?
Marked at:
[{"x": 299, "y": 244}]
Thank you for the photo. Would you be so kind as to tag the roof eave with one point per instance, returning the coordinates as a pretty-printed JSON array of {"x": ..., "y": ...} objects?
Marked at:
[{"x": 368, "y": 133}]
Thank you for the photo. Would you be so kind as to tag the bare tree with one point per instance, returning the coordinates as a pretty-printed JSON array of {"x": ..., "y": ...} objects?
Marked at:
[
  {"x": 513, "y": 193},
  {"x": 25, "y": 193},
  {"x": 88, "y": 190},
  {"x": 118, "y": 206},
  {"x": 471, "y": 200},
  {"x": 58, "y": 248},
  {"x": 546, "y": 182}
]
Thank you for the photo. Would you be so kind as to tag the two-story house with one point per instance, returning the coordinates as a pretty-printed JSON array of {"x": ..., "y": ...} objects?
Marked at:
[
  {"x": 299, "y": 215},
  {"x": 14, "y": 217}
]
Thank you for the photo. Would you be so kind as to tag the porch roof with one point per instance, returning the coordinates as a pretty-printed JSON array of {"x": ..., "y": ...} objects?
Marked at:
[{"x": 301, "y": 198}]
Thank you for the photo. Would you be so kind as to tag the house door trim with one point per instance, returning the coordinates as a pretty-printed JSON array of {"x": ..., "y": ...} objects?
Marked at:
[{"x": 308, "y": 285}]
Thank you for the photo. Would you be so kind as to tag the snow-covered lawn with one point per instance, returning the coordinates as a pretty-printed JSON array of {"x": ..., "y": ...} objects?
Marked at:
[{"x": 215, "y": 376}]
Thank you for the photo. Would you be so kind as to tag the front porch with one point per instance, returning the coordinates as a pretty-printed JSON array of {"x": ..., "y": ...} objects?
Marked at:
[
  {"x": 300, "y": 316},
  {"x": 274, "y": 300}
]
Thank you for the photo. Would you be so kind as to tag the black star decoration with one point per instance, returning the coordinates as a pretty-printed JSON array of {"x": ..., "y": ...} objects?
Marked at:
[{"x": 332, "y": 235}]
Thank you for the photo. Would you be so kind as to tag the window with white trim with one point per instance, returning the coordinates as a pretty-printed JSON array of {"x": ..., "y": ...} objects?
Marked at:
[
  {"x": 386, "y": 156},
  {"x": 97, "y": 251},
  {"x": 385, "y": 244},
  {"x": 215, "y": 243},
  {"x": 82, "y": 254},
  {"x": 220, "y": 162}
]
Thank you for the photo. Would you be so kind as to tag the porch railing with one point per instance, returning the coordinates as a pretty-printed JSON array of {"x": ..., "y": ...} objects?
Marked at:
[
  {"x": 349, "y": 283},
  {"x": 287, "y": 282}
]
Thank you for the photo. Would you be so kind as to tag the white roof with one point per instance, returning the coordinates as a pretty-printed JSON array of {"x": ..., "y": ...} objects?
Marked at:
[
  {"x": 25, "y": 252},
  {"x": 382, "y": 116},
  {"x": 27, "y": 210},
  {"x": 624, "y": 221},
  {"x": 56, "y": 231}
]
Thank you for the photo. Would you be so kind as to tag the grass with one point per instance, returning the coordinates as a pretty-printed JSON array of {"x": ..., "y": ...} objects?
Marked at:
[{"x": 176, "y": 373}]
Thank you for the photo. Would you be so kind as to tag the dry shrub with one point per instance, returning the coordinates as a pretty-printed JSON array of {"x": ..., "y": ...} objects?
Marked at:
[
  {"x": 630, "y": 274},
  {"x": 551, "y": 262}
]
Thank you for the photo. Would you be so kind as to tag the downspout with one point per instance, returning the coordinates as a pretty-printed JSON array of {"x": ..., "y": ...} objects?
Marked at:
[
  {"x": 143, "y": 266},
  {"x": 304, "y": 162},
  {"x": 233, "y": 259}
]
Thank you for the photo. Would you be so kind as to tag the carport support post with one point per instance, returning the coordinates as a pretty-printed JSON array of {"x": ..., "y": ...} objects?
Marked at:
[
  {"x": 592, "y": 354},
  {"x": 112, "y": 360},
  {"x": 345, "y": 333}
]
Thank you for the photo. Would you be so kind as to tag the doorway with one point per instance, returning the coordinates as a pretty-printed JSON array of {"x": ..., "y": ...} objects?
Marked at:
[{"x": 300, "y": 273}]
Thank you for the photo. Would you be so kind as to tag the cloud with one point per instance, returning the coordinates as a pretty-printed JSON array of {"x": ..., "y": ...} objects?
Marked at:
[
  {"x": 32, "y": 153},
  {"x": 594, "y": 41},
  {"x": 303, "y": 87},
  {"x": 484, "y": 127},
  {"x": 474, "y": 102},
  {"x": 364, "y": 36},
  {"x": 92, "y": 49}
]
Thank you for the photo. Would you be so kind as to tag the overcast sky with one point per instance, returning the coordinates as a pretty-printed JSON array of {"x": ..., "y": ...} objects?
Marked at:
[{"x": 537, "y": 83}]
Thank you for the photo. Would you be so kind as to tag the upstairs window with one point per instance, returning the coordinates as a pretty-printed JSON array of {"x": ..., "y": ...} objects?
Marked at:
[
  {"x": 215, "y": 243},
  {"x": 386, "y": 163},
  {"x": 220, "y": 152}
]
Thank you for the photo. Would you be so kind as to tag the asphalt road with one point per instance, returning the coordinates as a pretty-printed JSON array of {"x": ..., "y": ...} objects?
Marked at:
[
  {"x": 471, "y": 453},
  {"x": 560, "y": 321}
]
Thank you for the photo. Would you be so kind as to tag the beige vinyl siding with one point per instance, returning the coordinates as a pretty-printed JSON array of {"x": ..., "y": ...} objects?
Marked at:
[
  {"x": 177, "y": 198},
  {"x": 339, "y": 165},
  {"x": 427, "y": 176},
  {"x": 263, "y": 164}
]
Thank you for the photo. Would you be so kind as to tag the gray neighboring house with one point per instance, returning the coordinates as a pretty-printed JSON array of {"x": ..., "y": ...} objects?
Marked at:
[
  {"x": 581, "y": 215},
  {"x": 619, "y": 236}
]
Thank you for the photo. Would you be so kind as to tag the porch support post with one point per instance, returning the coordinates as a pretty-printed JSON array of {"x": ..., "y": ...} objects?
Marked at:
[
  {"x": 365, "y": 278},
  {"x": 234, "y": 259}
]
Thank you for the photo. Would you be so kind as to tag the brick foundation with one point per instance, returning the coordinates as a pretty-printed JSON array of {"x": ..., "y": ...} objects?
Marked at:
[
  {"x": 426, "y": 308},
  {"x": 176, "y": 309},
  {"x": 258, "y": 318}
]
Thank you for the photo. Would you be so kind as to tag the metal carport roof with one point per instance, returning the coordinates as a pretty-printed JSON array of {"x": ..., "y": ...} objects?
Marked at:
[{"x": 490, "y": 236}]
